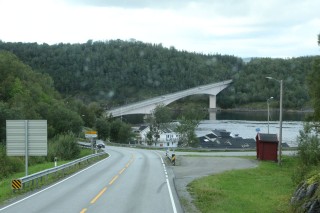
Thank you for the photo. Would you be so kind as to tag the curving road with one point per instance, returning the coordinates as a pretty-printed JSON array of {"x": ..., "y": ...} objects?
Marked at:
[{"x": 129, "y": 180}]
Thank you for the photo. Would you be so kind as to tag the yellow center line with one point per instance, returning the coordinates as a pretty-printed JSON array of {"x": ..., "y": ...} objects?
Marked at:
[
  {"x": 110, "y": 183},
  {"x": 99, "y": 195},
  {"x": 122, "y": 170},
  {"x": 113, "y": 179}
]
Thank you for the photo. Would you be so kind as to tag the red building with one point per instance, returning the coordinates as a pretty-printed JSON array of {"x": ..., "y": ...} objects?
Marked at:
[{"x": 267, "y": 146}]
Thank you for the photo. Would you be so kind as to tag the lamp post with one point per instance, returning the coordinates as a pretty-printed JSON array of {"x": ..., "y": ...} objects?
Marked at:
[
  {"x": 268, "y": 100},
  {"x": 280, "y": 118}
]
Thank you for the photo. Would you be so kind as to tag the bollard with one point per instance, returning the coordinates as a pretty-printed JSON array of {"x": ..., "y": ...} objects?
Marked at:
[
  {"x": 173, "y": 159},
  {"x": 55, "y": 161}
]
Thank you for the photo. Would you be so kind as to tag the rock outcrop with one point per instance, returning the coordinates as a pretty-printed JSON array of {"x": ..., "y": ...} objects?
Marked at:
[{"x": 307, "y": 196}]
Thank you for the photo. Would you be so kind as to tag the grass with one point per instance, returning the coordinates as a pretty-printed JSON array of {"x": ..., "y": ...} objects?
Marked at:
[
  {"x": 267, "y": 188},
  {"x": 7, "y": 193}
]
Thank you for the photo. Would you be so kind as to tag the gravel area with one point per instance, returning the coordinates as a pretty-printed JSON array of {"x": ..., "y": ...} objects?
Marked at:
[{"x": 189, "y": 168}]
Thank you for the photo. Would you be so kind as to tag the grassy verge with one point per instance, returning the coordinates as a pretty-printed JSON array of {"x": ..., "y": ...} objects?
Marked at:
[
  {"x": 267, "y": 188},
  {"x": 6, "y": 191}
]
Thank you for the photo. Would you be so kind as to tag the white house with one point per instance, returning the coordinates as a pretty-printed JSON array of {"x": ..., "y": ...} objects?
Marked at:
[{"x": 168, "y": 138}]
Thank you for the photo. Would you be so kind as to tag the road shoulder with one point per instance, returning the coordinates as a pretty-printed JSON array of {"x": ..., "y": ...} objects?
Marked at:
[{"x": 189, "y": 168}]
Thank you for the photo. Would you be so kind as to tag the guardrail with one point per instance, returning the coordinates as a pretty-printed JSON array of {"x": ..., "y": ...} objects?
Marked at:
[
  {"x": 85, "y": 144},
  {"x": 38, "y": 177}
]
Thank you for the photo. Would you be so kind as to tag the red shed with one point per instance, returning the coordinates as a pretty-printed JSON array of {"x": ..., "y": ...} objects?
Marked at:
[{"x": 267, "y": 146}]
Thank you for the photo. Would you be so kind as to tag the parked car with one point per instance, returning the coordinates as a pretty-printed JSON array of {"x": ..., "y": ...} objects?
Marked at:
[{"x": 100, "y": 145}]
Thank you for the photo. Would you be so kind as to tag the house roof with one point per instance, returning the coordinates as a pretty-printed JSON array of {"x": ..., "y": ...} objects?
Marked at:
[
  {"x": 222, "y": 143},
  {"x": 221, "y": 133},
  {"x": 142, "y": 127},
  {"x": 211, "y": 135},
  {"x": 267, "y": 137}
]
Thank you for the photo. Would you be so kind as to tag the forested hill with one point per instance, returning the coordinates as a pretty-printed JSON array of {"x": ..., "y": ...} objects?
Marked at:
[
  {"x": 122, "y": 71},
  {"x": 119, "y": 72}
]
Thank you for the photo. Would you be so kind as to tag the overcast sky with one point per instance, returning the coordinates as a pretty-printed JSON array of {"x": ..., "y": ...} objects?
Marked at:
[{"x": 244, "y": 28}]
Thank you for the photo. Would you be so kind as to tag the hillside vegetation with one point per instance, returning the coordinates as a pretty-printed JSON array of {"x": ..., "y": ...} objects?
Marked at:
[{"x": 119, "y": 72}]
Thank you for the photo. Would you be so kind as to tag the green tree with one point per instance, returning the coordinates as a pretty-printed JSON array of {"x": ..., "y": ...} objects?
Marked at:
[
  {"x": 158, "y": 121},
  {"x": 188, "y": 122},
  {"x": 125, "y": 133},
  {"x": 309, "y": 141},
  {"x": 103, "y": 128},
  {"x": 114, "y": 130}
]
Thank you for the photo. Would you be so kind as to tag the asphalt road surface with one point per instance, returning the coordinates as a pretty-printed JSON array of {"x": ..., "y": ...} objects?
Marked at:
[{"x": 129, "y": 180}]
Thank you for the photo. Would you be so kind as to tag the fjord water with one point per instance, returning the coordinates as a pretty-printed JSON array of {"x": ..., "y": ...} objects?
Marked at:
[{"x": 246, "y": 124}]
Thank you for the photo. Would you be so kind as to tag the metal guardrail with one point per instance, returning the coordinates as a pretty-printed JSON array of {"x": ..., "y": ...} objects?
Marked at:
[
  {"x": 85, "y": 144},
  {"x": 45, "y": 173}
]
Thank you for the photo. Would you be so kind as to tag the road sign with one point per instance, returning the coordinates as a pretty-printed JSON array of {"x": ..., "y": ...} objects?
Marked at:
[
  {"x": 32, "y": 133},
  {"x": 91, "y": 134},
  {"x": 27, "y": 138},
  {"x": 16, "y": 184}
]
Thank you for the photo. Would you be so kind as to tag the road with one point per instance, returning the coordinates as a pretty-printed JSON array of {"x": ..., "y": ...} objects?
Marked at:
[{"x": 129, "y": 180}]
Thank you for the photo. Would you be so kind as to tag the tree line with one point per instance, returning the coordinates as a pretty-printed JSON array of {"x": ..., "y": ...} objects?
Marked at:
[
  {"x": 117, "y": 72},
  {"x": 29, "y": 95},
  {"x": 71, "y": 85}
]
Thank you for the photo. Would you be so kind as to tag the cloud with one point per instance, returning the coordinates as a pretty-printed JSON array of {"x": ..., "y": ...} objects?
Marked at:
[
  {"x": 244, "y": 28},
  {"x": 131, "y": 4}
]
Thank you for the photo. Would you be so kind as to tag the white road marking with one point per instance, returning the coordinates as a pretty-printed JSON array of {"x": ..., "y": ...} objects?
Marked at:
[{"x": 174, "y": 208}]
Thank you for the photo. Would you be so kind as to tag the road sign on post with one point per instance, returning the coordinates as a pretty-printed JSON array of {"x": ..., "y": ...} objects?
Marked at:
[
  {"x": 27, "y": 138},
  {"x": 91, "y": 134}
]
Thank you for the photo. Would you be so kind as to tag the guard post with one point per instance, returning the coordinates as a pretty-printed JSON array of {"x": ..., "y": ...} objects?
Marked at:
[
  {"x": 55, "y": 161},
  {"x": 173, "y": 159}
]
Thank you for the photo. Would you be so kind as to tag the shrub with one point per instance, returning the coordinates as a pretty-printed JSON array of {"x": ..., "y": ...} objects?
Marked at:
[
  {"x": 309, "y": 147},
  {"x": 9, "y": 165},
  {"x": 308, "y": 153},
  {"x": 64, "y": 147}
]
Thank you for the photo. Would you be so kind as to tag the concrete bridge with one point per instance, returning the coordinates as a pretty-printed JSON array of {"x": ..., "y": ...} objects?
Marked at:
[{"x": 146, "y": 106}]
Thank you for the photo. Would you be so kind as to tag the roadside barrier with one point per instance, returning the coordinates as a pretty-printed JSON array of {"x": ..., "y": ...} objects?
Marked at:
[{"x": 36, "y": 178}]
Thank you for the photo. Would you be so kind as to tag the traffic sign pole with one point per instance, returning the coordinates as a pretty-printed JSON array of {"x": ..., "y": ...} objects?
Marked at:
[{"x": 26, "y": 145}]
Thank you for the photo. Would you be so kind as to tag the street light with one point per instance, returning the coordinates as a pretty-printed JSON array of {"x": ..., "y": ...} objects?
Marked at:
[
  {"x": 268, "y": 100},
  {"x": 280, "y": 117}
]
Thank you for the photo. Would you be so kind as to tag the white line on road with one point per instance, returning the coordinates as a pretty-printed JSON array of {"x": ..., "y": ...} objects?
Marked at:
[
  {"x": 174, "y": 208},
  {"x": 19, "y": 201}
]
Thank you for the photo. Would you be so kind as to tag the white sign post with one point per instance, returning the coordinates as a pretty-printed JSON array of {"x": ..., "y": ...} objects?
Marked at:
[{"x": 27, "y": 138}]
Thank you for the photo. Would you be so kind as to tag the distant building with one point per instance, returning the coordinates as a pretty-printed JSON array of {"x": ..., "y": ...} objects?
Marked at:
[
  {"x": 221, "y": 139},
  {"x": 167, "y": 137}
]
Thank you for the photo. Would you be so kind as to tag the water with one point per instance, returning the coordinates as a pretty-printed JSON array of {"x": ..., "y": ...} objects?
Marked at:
[
  {"x": 260, "y": 115},
  {"x": 246, "y": 123},
  {"x": 247, "y": 129}
]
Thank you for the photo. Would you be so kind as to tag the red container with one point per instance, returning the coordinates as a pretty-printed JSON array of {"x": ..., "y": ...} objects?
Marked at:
[{"x": 267, "y": 146}]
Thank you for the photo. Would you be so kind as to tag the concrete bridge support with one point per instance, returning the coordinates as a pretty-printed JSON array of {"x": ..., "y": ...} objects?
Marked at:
[
  {"x": 212, "y": 115},
  {"x": 212, "y": 102}
]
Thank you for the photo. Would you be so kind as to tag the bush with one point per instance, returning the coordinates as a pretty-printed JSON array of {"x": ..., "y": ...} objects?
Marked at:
[
  {"x": 9, "y": 165},
  {"x": 308, "y": 153},
  {"x": 64, "y": 147},
  {"x": 309, "y": 147},
  {"x": 17, "y": 164}
]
